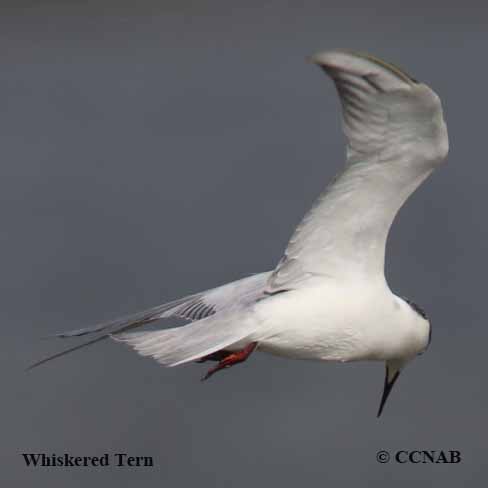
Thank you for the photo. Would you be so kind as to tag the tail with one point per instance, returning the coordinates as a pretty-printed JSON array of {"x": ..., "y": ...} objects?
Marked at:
[
  {"x": 215, "y": 303},
  {"x": 179, "y": 345},
  {"x": 172, "y": 347},
  {"x": 106, "y": 329}
]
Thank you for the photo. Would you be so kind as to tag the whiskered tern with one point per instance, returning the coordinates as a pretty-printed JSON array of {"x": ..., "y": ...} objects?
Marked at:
[{"x": 327, "y": 299}]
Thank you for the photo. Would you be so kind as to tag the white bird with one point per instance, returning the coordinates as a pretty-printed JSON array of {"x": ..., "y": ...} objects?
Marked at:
[{"x": 327, "y": 299}]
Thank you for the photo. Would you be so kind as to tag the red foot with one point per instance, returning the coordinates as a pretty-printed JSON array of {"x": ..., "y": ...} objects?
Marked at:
[{"x": 231, "y": 358}]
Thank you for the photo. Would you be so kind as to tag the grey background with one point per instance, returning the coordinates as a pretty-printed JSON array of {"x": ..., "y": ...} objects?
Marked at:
[{"x": 155, "y": 150}]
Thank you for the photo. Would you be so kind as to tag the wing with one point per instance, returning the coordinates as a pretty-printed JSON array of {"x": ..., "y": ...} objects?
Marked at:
[
  {"x": 395, "y": 137},
  {"x": 191, "y": 307},
  {"x": 194, "y": 307}
]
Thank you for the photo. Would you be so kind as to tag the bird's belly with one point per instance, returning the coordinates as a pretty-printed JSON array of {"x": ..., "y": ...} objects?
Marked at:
[
  {"x": 331, "y": 324},
  {"x": 314, "y": 330},
  {"x": 311, "y": 344}
]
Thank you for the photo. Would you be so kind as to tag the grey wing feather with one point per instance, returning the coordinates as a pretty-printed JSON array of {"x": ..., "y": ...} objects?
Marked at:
[
  {"x": 241, "y": 292},
  {"x": 133, "y": 320},
  {"x": 191, "y": 307}
]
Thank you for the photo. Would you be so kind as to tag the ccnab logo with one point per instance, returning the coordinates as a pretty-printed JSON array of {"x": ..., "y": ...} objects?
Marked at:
[{"x": 424, "y": 457}]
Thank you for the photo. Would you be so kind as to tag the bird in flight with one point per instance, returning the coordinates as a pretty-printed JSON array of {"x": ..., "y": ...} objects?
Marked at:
[{"x": 327, "y": 299}]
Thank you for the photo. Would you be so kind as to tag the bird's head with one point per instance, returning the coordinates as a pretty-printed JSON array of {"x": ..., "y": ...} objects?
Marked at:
[{"x": 393, "y": 367}]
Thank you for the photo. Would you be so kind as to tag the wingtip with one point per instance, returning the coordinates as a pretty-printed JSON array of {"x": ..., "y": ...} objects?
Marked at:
[
  {"x": 66, "y": 351},
  {"x": 335, "y": 58},
  {"x": 323, "y": 57},
  {"x": 361, "y": 64}
]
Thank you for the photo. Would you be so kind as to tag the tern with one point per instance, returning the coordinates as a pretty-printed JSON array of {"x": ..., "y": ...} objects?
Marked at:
[{"x": 327, "y": 299}]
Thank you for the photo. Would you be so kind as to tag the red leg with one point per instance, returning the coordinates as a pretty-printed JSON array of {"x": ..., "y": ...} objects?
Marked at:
[
  {"x": 215, "y": 356},
  {"x": 231, "y": 359}
]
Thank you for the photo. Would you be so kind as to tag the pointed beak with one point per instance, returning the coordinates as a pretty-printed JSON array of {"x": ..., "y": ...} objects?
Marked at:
[{"x": 391, "y": 375}]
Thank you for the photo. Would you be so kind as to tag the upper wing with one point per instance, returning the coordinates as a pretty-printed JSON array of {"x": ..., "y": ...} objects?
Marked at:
[
  {"x": 191, "y": 307},
  {"x": 396, "y": 136}
]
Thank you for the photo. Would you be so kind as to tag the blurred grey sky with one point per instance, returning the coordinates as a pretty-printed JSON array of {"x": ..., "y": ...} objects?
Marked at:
[{"x": 153, "y": 149}]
